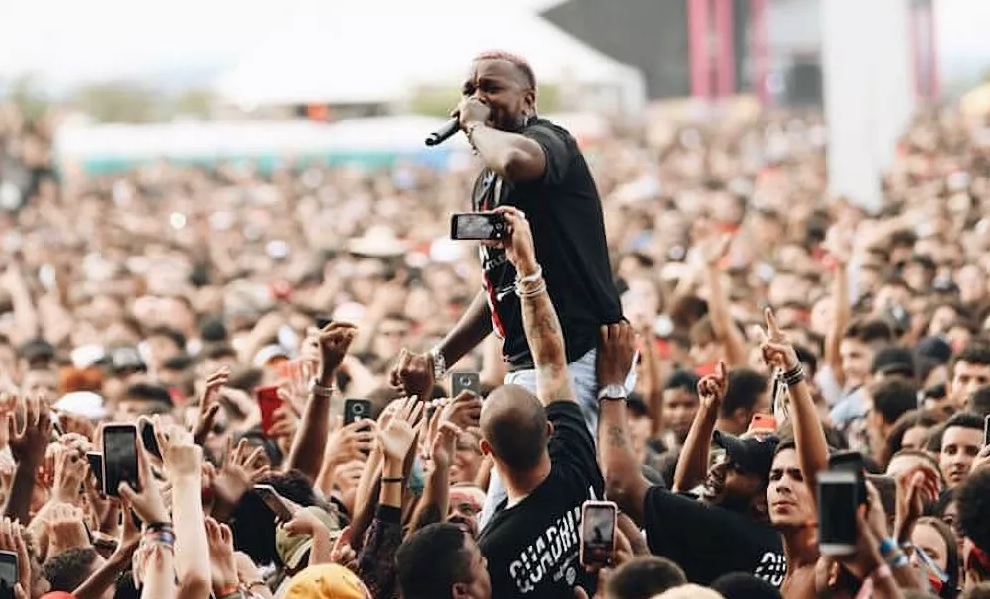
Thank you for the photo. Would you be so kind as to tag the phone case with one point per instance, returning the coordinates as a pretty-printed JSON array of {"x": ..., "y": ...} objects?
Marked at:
[
  {"x": 597, "y": 550},
  {"x": 268, "y": 401}
]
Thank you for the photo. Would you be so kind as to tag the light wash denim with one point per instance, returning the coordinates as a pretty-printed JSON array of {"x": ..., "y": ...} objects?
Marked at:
[{"x": 584, "y": 379}]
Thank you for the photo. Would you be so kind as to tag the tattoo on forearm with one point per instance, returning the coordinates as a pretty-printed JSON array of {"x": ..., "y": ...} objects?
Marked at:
[{"x": 616, "y": 436}]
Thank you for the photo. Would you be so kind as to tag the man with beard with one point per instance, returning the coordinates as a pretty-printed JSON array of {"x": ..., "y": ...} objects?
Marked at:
[{"x": 731, "y": 521}]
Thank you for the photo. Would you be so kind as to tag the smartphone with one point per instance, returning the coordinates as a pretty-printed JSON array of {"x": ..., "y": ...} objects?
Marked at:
[
  {"x": 146, "y": 430},
  {"x": 851, "y": 461},
  {"x": 8, "y": 574},
  {"x": 276, "y": 503},
  {"x": 120, "y": 457},
  {"x": 598, "y": 527},
  {"x": 356, "y": 409},
  {"x": 986, "y": 430},
  {"x": 465, "y": 381},
  {"x": 269, "y": 401},
  {"x": 838, "y": 500},
  {"x": 322, "y": 321},
  {"x": 778, "y": 395},
  {"x": 477, "y": 226},
  {"x": 95, "y": 460}
]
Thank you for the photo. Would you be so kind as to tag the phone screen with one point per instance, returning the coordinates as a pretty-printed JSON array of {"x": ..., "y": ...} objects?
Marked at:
[
  {"x": 356, "y": 409},
  {"x": 598, "y": 522},
  {"x": 268, "y": 402},
  {"x": 465, "y": 381},
  {"x": 8, "y": 574},
  {"x": 476, "y": 226},
  {"x": 95, "y": 460},
  {"x": 838, "y": 501},
  {"x": 120, "y": 459}
]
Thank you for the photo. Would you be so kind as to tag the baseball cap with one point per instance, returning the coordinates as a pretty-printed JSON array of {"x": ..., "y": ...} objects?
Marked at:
[
  {"x": 86, "y": 404},
  {"x": 292, "y": 549},
  {"x": 36, "y": 350},
  {"x": 270, "y": 353},
  {"x": 894, "y": 360},
  {"x": 326, "y": 581},
  {"x": 126, "y": 358},
  {"x": 934, "y": 349},
  {"x": 752, "y": 455}
]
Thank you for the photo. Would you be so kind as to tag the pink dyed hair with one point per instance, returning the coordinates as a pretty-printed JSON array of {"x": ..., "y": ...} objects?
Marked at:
[{"x": 517, "y": 61}]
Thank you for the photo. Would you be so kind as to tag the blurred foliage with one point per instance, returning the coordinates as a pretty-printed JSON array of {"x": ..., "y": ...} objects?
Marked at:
[
  {"x": 26, "y": 93},
  {"x": 112, "y": 101},
  {"x": 131, "y": 102},
  {"x": 439, "y": 101}
]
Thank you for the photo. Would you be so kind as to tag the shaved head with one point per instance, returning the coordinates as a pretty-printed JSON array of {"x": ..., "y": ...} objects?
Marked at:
[{"x": 514, "y": 423}]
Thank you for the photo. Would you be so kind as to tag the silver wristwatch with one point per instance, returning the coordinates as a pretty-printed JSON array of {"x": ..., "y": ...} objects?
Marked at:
[
  {"x": 439, "y": 363},
  {"x": 612, "y": 391},
  {"x": 319, "y": 390}
]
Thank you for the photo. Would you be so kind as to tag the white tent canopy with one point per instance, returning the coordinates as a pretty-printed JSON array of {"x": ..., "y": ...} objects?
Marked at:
[{"x": 377, "y": 56}]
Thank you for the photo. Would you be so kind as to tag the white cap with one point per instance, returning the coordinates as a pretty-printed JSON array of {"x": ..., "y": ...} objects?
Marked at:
[
  {"x": 269, "y": 353},
  {"x": 82, "y": 403}
]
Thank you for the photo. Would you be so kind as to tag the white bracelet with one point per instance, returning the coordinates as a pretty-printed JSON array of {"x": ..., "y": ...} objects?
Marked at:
[{"x": 536, "y": 276}]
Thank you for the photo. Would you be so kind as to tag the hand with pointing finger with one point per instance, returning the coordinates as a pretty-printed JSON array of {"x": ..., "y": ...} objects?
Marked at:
[
  {"x": 713, "y": 387},
  {"x": 777, "y": 350}
]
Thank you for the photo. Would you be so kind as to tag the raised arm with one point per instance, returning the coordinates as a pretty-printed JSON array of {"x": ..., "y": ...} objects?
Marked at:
[
  {"x": 809, "y": 437},
  {"x": 624, "y": 481},
  {"x": 842, "y": 310},
  {"x": 714, "y": 250},
  {"x": 692, "y": 464},
  {"x": 310, "y": 441},
  {"x": 540, "y": 323}
]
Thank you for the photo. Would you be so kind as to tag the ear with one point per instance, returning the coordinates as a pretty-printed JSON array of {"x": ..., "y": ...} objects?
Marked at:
[
  {"x": 459, "y": 591},
  {"x": 549, "y": 429},
  {"x": 486, "y": 448},
  {"x": 742, "y": 417},
  {"x": 529, "y": 98}
]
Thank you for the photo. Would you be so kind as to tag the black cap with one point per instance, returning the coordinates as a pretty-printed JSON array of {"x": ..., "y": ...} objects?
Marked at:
[
  {"x": 894, "y": 360},
  {"x": 36, "y": 350},
  {"x": 934, "y": 349},
  {"x": 751, "y": 455}
]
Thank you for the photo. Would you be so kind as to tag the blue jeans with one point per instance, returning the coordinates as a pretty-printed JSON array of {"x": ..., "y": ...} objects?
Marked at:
[{"x": 584, "y": 379}]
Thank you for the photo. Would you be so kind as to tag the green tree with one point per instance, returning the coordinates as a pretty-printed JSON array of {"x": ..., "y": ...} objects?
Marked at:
[
  {"x": 119, "y": 101},
  {"x": 438, "y": 101},
  {"x": 27, "y": 95}
]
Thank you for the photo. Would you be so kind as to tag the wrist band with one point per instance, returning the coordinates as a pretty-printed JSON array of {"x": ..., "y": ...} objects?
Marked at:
[
  {"x": 392, "y": 479},
  {"x": 540, "y": 288},
  {"x": 163, "y": 537},
  {"x": 887, "y": 547},
  {"x": 536, "y": 276},
  {"x": 158, "y": 526},
  {"x": 319, "y": 390},
  {"x": 793, "y": 376}
]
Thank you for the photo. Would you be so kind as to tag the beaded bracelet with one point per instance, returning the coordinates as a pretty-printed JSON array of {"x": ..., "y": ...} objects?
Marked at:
[
  {"x": 540, "y": 288},
  {"x": 793, "y": 376}
]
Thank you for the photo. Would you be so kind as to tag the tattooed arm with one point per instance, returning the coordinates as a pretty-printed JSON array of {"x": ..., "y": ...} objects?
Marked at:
[
  {"x": 540, "y": 323},
  {"x": 624, "y": 481}
]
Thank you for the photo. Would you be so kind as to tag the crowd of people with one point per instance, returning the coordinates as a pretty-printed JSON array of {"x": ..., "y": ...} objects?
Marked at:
[{"x": 695, "y": 336}]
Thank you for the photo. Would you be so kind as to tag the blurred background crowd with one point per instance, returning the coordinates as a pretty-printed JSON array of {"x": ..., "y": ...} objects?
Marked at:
[{"x": 138, "y": 258}]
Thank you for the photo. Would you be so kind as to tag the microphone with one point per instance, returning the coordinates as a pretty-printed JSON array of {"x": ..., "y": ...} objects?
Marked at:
[{"x": 445, "y": 132}]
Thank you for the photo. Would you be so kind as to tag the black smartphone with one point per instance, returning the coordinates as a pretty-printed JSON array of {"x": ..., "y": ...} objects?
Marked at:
[
  {"x": 838, "y": 500},
  {"x": 120, "y": 457},
  {"x": 465, "y": 381},
  {"x": 95, "y": 460},
  {"x": 146, "y": 429},
  {"x": 322, "y": 321},
  {"x": 356, "y": 409},
  {"x": 8, "y": 574},
  {"x": 986, "y": 430},
  {"x": 851, "y": 461},
  {"x": 477, "y": 226},
  {"x": 598, "y": 525},
  {"x": 276, "y": 503}
]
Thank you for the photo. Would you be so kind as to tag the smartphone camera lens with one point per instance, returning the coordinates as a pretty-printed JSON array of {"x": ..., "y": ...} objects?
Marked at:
[{"x": 357, "y": 409}]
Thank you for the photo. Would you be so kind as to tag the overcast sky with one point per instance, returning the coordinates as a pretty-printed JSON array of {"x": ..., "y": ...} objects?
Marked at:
[{"x": 68, "y": 41}]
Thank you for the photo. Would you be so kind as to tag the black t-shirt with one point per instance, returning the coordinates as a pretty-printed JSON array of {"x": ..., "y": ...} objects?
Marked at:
[
  {"x": 533, "y": 547},
  {"x": 565, "y": 215},
  {"x": 708, "y": 541}
]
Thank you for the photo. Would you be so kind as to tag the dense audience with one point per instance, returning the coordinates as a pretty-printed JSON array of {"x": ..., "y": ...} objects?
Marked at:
[{"x": 773, "y": 329}]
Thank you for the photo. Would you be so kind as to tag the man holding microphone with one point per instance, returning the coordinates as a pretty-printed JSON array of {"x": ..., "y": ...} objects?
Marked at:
[{"x": 536, "y": 166}]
